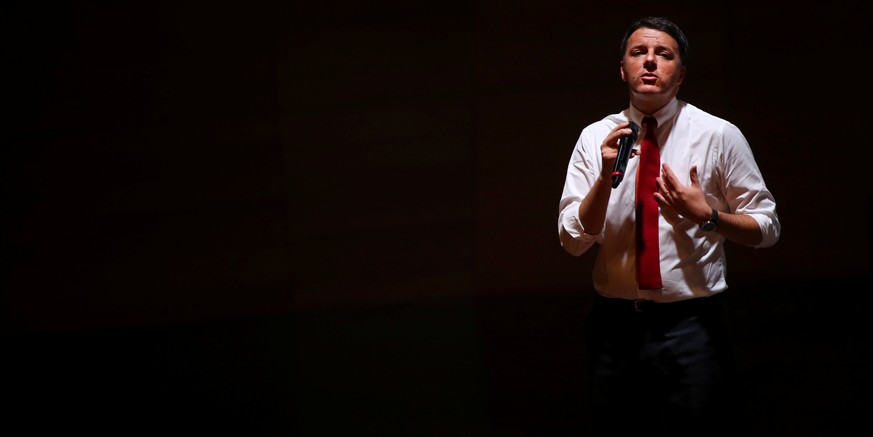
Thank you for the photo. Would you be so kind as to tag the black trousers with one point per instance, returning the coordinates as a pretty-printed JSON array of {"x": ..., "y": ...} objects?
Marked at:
[{"x": 661, "y": 367}]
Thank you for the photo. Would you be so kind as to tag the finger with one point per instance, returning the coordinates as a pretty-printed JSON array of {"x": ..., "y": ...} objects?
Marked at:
[
  {"x": 626, "y": 130},
  {"x": 695, "y": 181},
  {"x": 670, "y": 179}
]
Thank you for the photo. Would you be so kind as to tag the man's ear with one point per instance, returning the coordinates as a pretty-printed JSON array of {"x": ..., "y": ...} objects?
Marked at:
[
  {"x": 681, "y": 76},
  {"x": 621, "y": 68}
]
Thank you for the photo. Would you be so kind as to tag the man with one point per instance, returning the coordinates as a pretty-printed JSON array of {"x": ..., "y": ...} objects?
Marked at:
[{"x": 660, "y": 357}]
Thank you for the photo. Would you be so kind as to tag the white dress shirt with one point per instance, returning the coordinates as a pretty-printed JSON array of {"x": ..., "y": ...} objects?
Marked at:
[{"x": 692, "y": 261}]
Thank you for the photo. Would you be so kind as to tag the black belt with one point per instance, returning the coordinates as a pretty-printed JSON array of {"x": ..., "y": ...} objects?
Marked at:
[{"x": 649, "y": 306}]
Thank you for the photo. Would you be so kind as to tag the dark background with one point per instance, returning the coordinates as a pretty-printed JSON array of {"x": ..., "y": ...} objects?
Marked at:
[{"x": 288, "y": 218}]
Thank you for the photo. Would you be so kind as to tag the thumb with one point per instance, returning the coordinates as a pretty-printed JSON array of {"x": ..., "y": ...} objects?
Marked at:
[{"x": 695, "y": 181}]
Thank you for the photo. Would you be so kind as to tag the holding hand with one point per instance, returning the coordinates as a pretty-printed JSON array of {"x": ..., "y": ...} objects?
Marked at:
[{"x": 609, "y": 147}]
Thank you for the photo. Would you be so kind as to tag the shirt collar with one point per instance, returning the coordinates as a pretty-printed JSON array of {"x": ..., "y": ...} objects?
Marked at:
[{"x": 667, "y": 112}]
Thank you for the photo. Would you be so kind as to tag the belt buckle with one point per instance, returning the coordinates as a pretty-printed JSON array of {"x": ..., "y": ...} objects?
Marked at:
[{"x": 639, "y": 305}]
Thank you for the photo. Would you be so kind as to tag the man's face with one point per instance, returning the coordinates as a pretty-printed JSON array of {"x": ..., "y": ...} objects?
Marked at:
[{"x": 651, "y": 64}]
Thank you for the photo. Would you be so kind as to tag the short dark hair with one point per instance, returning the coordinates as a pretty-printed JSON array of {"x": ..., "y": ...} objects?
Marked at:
[{"x": 664, "y": 25}]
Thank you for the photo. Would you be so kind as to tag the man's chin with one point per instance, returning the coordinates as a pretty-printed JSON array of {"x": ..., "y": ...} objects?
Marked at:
[
  {"x": 648, "y": 88},
  {"x": 648, "y": 91}
]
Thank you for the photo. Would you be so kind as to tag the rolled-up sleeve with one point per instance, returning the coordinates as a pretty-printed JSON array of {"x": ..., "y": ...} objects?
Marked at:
[
  {"x": 573, "y": 237},
  {"x": 745, "y": 190},
  {"x": 582, "y": 171}
]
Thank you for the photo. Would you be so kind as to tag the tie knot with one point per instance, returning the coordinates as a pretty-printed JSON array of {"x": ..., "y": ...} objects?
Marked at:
[{"x": 650, "y": 122}]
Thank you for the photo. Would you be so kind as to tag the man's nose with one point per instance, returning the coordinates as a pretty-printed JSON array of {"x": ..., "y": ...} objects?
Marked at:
[{"x": 650, "y": 60}]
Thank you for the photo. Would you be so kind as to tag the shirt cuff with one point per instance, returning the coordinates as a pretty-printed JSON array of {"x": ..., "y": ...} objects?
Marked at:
[{"x": 574, "y": 227}]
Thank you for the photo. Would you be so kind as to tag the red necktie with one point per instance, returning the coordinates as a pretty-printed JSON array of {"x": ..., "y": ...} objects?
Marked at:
[{"x": 648, "y": 257}]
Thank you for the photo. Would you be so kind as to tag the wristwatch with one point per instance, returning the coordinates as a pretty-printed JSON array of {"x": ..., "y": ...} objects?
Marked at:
[{"x": 710, "y": 223}]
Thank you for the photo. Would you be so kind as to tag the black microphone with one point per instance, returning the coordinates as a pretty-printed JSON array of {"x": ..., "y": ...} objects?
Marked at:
[{"x": 625, "y": 144}]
